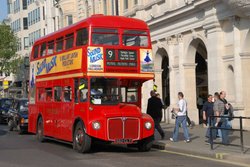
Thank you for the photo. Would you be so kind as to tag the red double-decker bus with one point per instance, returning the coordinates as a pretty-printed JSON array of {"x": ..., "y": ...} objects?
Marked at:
[{"x": 85, "y": 83}]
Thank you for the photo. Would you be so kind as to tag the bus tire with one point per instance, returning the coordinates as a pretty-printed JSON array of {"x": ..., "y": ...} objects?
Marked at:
[
  {"x": 145, "y": 144},
  {"x": 81, "y": 141},
  {"x": 40, "y": 130}
]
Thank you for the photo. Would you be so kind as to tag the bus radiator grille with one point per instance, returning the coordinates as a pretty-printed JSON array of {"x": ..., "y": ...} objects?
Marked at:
[{"x": 123, "y": 128}]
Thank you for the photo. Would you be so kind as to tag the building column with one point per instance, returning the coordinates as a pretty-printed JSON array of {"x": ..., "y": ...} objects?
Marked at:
[
  {"x": 245, "y": 68},
  {"x": 237, "y": 66},
  {"x": 215, "y": 50},
  {"x": 158, "y": 80},
  {"x": 189, "y": 84}
]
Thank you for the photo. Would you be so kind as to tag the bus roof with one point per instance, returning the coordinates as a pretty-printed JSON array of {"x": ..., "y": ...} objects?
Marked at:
[{"x": 100, "y": 20}]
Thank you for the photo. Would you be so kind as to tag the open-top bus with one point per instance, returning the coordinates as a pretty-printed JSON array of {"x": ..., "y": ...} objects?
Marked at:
[{"x": 85, "y": 83}]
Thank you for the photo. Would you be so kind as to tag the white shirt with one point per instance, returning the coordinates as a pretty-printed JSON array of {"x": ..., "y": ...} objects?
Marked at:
[{"x": 182, "y": 104}]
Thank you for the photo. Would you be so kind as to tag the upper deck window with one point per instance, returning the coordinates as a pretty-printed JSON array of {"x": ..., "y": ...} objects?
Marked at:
[
  {"x": 36, "y": 52},
  {"x": 43, "y": 49},
  {"x": 135, "y": 38},
  {"x": 82, "y": 37},
  {"x": 59, "y": 44},
  {"x": 50, "y": 47},
  {"x": 102, "y": 36},
  {"x": 69, "y": 41}
]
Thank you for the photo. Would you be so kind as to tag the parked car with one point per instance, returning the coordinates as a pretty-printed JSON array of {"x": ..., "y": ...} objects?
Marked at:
[
  {"x": 5, "y": 104},
  {"x": 18, "y": 115}
]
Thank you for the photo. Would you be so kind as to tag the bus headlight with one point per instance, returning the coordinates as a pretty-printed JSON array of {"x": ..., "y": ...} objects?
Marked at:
[
  {"x": 96, "y": 125},
  {"x": 148, "y": 125}
]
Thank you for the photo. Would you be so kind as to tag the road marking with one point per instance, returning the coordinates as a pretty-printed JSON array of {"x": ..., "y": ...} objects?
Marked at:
[
  {"x": 207, "y": 158},
  {"x": 220, "y": 155}
]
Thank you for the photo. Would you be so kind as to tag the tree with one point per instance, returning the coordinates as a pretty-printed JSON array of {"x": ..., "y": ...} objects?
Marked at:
[{"x": 9, "y": 60}]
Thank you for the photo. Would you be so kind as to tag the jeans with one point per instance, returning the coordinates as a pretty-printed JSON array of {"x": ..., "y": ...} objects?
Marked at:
[
  {"x": 180, "y": 120},
  {"x": 214, "y": 131},
  {"x": 225, "y": 133}
]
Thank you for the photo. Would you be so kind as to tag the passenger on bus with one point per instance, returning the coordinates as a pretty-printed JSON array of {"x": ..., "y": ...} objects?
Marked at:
[
  {"x": 83, "y": 97},
  {"x": 49, "y": 96},
  {"x": 67, "y": 97},
  {"x": 132, "y": 98}
]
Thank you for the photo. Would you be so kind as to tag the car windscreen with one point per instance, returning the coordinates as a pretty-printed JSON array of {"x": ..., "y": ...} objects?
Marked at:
[{"x": 23, "y": 105}]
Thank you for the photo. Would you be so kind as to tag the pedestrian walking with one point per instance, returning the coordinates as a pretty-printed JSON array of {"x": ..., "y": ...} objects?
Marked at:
[
  {"x": 220, "y": 107},
  {"x": 208, "y": 112},
  {"x": 154, "y": 109},
  {"x": 181, "y": 118},
  {"x": 216, "y": 101}
]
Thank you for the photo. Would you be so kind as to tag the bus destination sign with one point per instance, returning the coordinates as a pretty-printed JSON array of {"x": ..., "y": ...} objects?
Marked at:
[
  {"x": 126, "y": 58},
  {"x": 127, "y": 55},
  {"x": 121, "y": 64}
]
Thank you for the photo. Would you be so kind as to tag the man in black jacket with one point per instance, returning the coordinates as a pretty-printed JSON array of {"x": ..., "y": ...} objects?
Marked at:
[{"x": 154, "y": 109}]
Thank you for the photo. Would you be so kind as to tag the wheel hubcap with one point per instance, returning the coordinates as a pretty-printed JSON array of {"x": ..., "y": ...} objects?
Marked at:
[{"x": 79, "y": 137}]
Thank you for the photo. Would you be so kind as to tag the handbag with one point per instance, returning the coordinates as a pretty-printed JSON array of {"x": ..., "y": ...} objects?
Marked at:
[{"x": 173, "y": 114}]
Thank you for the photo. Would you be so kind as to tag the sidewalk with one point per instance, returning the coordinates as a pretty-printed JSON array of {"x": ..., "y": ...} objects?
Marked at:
[{"x": 198, "y": 147}]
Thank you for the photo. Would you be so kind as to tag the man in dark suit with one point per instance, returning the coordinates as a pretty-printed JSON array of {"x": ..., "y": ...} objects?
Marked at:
[{"x": 154, "y": 109}]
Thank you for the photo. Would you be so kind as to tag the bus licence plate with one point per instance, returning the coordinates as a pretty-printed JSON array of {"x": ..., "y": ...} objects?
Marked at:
[{"x": 123, "y": 141}]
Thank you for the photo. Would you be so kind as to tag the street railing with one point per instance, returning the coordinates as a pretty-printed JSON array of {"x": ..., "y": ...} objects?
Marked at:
[{"x": 241, "y": 130}]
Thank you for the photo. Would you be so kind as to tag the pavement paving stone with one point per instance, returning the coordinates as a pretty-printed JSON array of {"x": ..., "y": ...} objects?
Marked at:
[{"x": 199, "y": 147}]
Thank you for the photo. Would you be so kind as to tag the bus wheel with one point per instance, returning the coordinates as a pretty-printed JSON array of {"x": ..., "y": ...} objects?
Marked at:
[
  {"x": 145, "y": 144},
  {"x": 81, "y": 141},
  {"x": 39, "y": 131}
]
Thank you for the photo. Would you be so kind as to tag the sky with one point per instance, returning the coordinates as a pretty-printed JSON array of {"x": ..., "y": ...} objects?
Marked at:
[{"x": 3, "y": 10}]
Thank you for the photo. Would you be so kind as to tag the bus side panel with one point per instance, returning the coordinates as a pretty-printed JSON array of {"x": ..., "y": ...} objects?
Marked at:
[
  {"x": 33, "y": 113},
  {"x": 48, "y": 113},
  {"x": 81, "y": 111}
]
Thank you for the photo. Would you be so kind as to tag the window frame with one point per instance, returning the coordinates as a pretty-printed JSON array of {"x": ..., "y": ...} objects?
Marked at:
[
  {"x": 69, "y": 41},
  {"x": 81, "y": 34}
]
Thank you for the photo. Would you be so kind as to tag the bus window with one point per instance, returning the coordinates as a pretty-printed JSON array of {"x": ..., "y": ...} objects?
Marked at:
[
  {"x": 57, "y": 93},
  {"x": 135, "y": 38},
  {"x": 69, "y": 41},
  {"x": 41, "y": 94},
  {"x": 104, "y": 91},
  {"x": 50, "y": 47},
  {"x": 101, "y": 36},
  {"x": 82, "y": 37},
  {"x": 59, "y": 44},
  {"x": 132, "y": 95},
  {"x": 43, "y": 49},
  {"x": 36, "y": 52},
  {"x": 123, "y": 95},
  {"x": 48, "y": 94},
  {"x": 67, "y": 94},
  {"x": 81, "y": 90}
]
